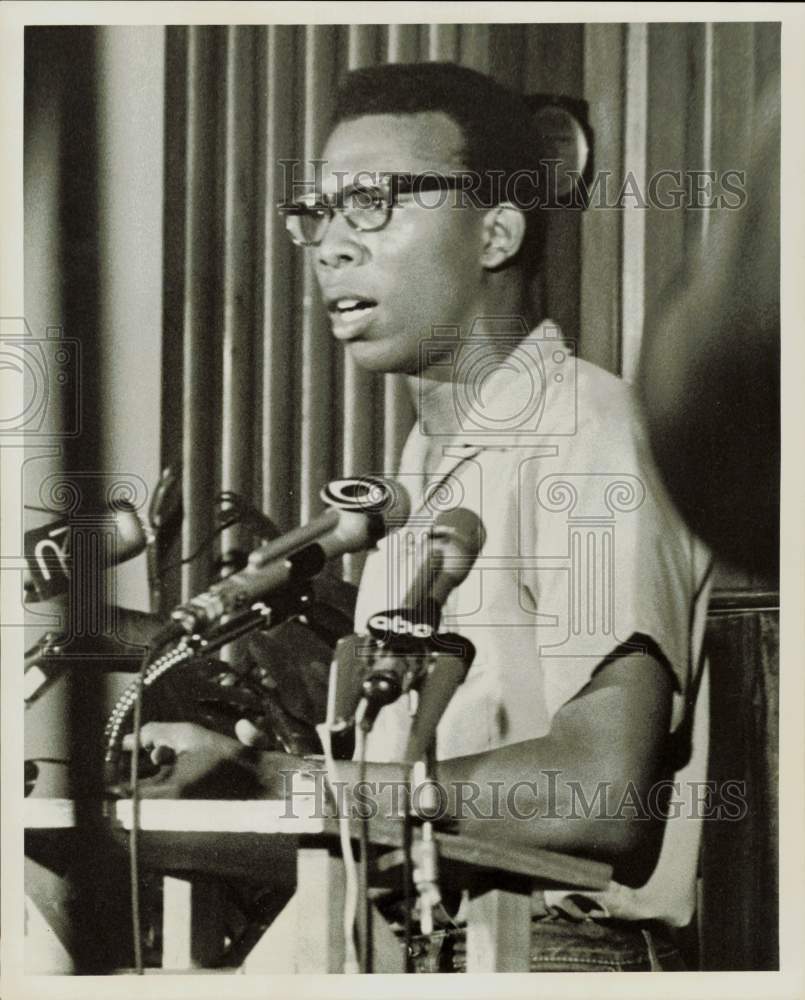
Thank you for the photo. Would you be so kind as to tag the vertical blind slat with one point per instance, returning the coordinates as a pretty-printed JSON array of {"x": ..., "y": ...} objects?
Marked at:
[
  {"x": 601, "y": 228},
  {"x": 474, "y": 44},
  {"x": 362, "y": 45},
  {"x": 402, "y": 46},
  {"x": 634, "y": 208},
  {"x": 766, "y": 52},
  {"x": 360, "y": 387},
  {"x": 727, "y": 68},
  {"x": 506, "y": 59},
  {"x": 443, "y": 42},
  {"x": 733, "y": 95},
  {"x": 552, "y": 62},
  {"x": 200, "y": 320},
  {"x": 402, "y": 43},
  {"x": 280, "y": 318},
  {"x": 699, "y": 150},
  {"x": 238, "y": 289},
  {"x": 317, "y": 388},
  {"x": 669, "y": 91},
  {"x": 174, "y": 207},
  {"x": 398, "y": 412}
]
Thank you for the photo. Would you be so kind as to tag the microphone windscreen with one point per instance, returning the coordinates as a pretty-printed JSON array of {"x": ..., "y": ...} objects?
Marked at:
[
  {"x": 463, "y": 528},
  {"x": 383, "y": 497},
  {"x": 369, "y": 508},
  {"x": 131, "y": 538},
  {"x": 460, "y": 535}
]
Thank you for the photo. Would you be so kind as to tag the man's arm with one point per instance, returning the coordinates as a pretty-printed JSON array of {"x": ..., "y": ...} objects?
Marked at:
[
  {"x": 581, "y": 788},
  {"x": 603, "y": 752}
]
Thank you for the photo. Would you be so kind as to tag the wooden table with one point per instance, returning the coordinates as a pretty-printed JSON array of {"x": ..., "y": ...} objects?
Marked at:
[{"x": 297, "y": 853}]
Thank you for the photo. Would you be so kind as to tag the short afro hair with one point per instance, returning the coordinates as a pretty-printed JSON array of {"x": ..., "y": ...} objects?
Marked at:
[{"x": 500, "y": 139}]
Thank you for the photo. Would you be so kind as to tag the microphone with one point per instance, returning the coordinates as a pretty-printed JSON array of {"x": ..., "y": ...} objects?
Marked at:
[
  {"x": 451, "y": 548},
  {"x": 48, "y": 549},
  {"x": 410, "y": 635},
  {"x": 362, "y": 510}
]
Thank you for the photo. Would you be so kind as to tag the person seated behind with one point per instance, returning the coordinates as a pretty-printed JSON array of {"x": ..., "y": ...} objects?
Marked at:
[{"x": 586, "y": 602}]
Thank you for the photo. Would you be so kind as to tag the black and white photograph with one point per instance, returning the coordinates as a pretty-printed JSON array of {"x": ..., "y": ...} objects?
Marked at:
[{"x": 392, "y": 551}]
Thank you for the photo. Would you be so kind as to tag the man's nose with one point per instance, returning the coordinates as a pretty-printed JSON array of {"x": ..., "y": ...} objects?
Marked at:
[{"x": 341, "y": 245}]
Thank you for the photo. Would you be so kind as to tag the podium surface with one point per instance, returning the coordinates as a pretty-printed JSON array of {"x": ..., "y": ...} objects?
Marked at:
[{"x": 297, "y": 852}]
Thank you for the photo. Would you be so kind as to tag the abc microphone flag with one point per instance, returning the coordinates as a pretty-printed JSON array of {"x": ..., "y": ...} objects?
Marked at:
[
  {"x": 56, "y": 552},
  {"x": 410, "y": 637},
  {"x": 450, "y": 549}
]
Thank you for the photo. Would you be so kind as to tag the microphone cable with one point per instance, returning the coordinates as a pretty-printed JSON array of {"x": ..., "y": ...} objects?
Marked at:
[
  {"x": 134, "y": 844},
  {"x": 203, "y": 544},
  {"x": 351, "y": 963},
  {"x": 407, "y": 877},
  {"x": 365, "y": 922},
  {"x": 157, "y": 643}
]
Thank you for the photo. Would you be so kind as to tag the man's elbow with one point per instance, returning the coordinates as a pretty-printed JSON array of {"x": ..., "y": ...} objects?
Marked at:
[
  {"x": 608, "y": 820},
  {"x": 625, "y": 835}
]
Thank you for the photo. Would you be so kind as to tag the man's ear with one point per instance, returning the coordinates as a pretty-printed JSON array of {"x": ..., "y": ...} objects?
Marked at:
[{"x": 503, "y": 233}]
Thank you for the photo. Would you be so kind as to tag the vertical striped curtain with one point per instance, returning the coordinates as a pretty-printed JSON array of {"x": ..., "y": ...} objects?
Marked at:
[{"x": 257, "y": 398}]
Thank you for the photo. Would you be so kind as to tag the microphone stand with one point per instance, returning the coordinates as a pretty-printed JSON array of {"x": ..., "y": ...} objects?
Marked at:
[
  {"x": 420, "y": 863},
  {"x": 425, "y": 852},
  {"x": 442, "y": 661},
  {"x": 432, "y": 664},
  {"x": 382, "y": 686},
  {"x": 436, "y": 681},
  {"x": 260, "y": 615}
]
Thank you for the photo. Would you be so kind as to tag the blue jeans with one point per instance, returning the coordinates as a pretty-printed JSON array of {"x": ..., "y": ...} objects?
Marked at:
[{"x": 561, "y": 944}]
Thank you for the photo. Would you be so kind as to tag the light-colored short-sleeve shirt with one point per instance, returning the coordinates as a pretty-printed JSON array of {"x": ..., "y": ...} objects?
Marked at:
[{"x": 583, "y": 551}]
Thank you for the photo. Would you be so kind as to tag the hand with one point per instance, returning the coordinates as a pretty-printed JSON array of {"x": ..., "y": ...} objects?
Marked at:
[
  {"x": 195, "y": 763},
  {"x": 168, "y": 740}
]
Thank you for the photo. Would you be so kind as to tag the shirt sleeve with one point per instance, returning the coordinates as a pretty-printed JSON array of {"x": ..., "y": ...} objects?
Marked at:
[{"x": 614, "y": 559}]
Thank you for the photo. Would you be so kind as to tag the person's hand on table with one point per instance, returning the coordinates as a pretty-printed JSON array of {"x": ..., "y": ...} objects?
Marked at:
[
  {"x": 199, "y": 763},
  {"x": 167, "y": 741}
]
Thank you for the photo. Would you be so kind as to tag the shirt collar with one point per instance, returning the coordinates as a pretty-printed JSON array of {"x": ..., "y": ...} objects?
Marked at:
[{"x": 502, "y": 398}]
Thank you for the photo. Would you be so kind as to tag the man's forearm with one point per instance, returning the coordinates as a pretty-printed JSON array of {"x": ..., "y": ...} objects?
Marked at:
[
  {"x": 535, "y": 793},
  {"x": 538, "y": 793}
]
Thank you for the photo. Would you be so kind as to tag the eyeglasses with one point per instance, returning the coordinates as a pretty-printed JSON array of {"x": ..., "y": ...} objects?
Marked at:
[{"x": 366, "y": 207}]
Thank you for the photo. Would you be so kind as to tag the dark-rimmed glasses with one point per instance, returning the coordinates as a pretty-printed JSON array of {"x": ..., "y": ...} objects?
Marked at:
[{"x": 366, "y": 207}]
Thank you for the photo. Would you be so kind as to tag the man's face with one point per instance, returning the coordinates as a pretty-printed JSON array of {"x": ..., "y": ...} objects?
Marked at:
[{"x": 423, "y": 268}]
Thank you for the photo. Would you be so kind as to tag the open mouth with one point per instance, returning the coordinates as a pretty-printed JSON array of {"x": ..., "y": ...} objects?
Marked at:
[
  {"x": 350, "y": 317},
  {"x": 351, "y": 307}
]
